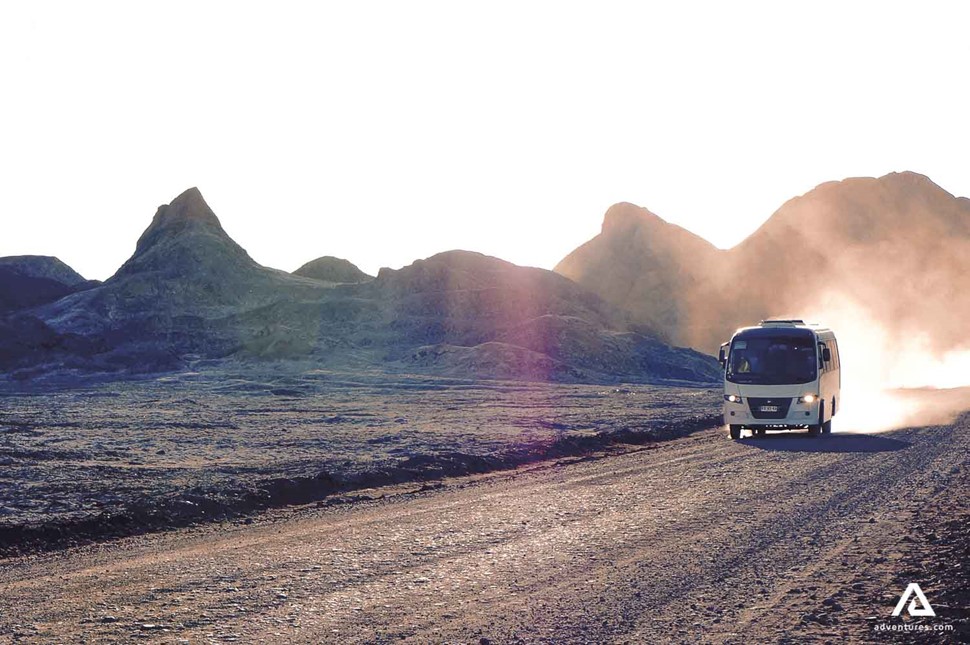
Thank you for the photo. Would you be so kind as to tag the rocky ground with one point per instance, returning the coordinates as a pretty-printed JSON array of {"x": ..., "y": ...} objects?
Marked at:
[
  {"x": 698, "y": 539},
  {"x": 124, "y": 457}
]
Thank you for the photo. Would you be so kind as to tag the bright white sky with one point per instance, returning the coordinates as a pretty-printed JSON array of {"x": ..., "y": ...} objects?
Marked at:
[{"x": 384, "y": 132}]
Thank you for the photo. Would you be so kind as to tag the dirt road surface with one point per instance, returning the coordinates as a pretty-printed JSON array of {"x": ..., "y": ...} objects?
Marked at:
[{"x": 699, "y": 539}]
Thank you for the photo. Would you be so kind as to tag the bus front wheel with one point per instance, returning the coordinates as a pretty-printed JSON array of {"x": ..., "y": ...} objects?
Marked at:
[
  {"x": 735, "y": 431},
  {"x": 815, "y": 429}
]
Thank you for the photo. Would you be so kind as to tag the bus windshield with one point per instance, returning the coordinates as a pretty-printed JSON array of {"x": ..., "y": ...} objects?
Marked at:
[{"x": 773, "y": 360}]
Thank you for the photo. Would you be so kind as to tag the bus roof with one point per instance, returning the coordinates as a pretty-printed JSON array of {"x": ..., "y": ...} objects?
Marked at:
[{"x": 768, "y": 328}]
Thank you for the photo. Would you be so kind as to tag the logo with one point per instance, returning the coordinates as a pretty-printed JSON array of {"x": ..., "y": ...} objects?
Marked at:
[{"x": 923, "y": 609}]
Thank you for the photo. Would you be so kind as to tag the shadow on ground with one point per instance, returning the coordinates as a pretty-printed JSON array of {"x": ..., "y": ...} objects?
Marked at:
[{"x": 803, "y": 442}]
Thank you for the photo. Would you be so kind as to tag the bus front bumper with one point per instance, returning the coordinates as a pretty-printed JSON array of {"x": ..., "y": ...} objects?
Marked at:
[{"x": 799, "y": 415}]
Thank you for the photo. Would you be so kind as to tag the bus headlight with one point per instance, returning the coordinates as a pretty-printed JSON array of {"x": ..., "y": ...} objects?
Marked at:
[
  {"x": 808, "y": 398},
  {"x": 733, "y": 398}
]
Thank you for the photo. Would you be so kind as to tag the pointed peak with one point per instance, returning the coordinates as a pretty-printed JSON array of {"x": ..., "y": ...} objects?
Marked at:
[
  {"x": 624, "y": 215},
  {"x": 188, "y": 211},
  {"x": 190, "y": 205},
  {"x": 192, "y": 191},
  {"x": 188, "y": 227},
  {"x": 192, "y": 194}
]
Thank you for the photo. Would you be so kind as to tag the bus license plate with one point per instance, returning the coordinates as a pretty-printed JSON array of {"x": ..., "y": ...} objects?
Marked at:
[{"x": 769, "y": 408}]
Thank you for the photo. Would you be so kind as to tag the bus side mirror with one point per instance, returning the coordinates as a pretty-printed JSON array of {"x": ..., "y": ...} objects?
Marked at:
[
  {"x": 826, "y": 354},
  {"x": 722, "y": 357}
]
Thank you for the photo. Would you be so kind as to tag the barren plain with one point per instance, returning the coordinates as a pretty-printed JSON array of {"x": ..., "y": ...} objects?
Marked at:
[{"x": 122, "y": 457}]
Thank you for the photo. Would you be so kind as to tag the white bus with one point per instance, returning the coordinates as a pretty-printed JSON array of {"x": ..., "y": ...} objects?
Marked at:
[{"x": 781, "y": 375}]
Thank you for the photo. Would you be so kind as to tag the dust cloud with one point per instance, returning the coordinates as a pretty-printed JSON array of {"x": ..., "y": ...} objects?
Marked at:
[{"x": 892, "y": 379}]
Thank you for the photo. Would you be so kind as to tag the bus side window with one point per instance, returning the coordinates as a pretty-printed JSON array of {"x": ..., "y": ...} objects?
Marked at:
[{"x": 835, "y": 354}]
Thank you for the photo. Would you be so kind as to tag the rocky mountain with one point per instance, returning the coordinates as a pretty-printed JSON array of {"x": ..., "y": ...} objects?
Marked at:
[
  {"x": 331, "y": 269},
  {"x": 190, "y": 293},
  {"x": 467, "y": 298},
  {"x": 658, "y": 271},
  {"x": 896, "y": 248},
  {"x": 481, "y": 315},
  {"x": 31, "y": 280},
  {"x": 187, "y": 291}
]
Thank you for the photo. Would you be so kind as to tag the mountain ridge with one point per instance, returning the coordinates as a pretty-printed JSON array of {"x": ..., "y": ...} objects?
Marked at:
[
  {"x": 880, "y": 244},
  {"x": 189, "y": 293}
]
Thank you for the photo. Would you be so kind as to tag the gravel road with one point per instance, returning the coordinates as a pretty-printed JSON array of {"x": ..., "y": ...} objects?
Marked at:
[{"x": 786, "y": 538}]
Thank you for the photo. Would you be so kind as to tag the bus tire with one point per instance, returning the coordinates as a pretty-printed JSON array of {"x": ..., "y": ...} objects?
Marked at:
[
  {"x": 734, "y": 430},
  {"x": 816, "y": 428}
]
